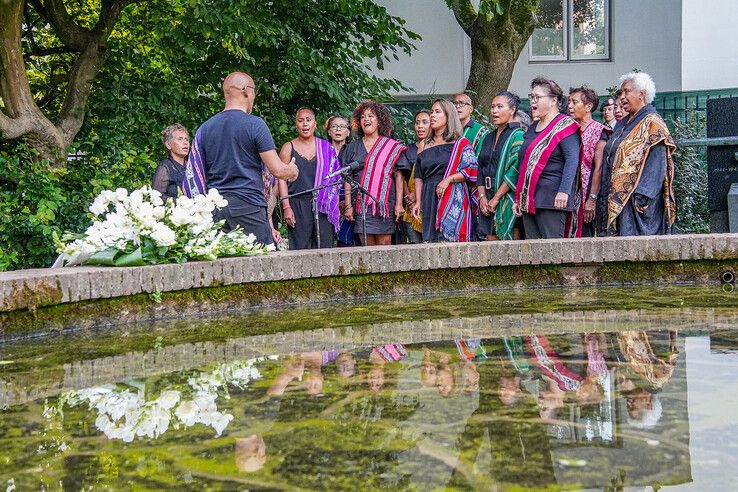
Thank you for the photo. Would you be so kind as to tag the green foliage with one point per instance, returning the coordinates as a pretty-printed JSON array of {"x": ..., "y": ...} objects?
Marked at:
[
  {"x": 690, "y": 175},
  {"x": 166, "y": 61}
]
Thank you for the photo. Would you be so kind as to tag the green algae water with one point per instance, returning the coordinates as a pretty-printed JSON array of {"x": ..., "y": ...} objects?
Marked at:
[{"x": 578, "y": 389}]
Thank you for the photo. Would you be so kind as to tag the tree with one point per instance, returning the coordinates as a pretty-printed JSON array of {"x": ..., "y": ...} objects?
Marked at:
[
  {"x": 25, "y": 32},
  {"x": 498, "y": 30},
  {"x": 164, "y": 63}
]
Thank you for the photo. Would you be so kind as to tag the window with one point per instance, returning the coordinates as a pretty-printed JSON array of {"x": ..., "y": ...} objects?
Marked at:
[{"x": 571, "y": 30}]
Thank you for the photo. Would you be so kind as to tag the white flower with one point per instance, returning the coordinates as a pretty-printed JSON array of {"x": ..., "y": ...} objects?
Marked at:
[
  {"x": 168, "y": 399},
  {"x": 181, "y": 216},
  {"x": 163, "y": 235},
  {"x": 215, "y": 197},
  {"x": 219, "y": 421}
]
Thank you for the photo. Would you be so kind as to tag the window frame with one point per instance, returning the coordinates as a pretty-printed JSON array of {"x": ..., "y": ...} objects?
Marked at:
[{"x": 568, "y": 31}]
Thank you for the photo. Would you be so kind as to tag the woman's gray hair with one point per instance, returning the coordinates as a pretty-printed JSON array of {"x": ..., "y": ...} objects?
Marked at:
[
  {"x": 523, "y": 118},
  {"x": 167, "y": 134},
  {"x": 642, "y": 82},
  {"x": 454, "y": 130}
]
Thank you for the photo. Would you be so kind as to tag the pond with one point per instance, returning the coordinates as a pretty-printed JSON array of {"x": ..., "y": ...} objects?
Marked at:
[{"x": 539, "y": 390}]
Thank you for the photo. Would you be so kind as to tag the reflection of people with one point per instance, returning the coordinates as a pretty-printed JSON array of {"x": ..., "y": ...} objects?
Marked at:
[
  {"x": 227, "y": 155},
  {"x": 639, "y": 195},
  {"x": 170, "y": 172},
  {"x": 379, "y": 357},
  {"x": 250, "y": 453}
]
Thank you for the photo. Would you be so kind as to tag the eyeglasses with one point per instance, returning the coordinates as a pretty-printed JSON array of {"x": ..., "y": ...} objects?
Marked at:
[
  {"x": 460, "y": 104},
  {"x": 256, "y": 91},
  {"x": 534, "y": 98},
  {"x": 338, "y": 127}
]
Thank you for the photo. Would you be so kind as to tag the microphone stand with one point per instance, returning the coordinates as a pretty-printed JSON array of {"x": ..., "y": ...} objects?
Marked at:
[
  {"x": 316, "y": 217},
  {"x": 356, "y": 185}
]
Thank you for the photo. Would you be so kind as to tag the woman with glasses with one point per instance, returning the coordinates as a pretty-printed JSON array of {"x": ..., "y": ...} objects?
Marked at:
[
  {"x": 384, "y": 162},
  {"x": 338, "y": 130},
  {"x": 549, "y": 160},
  {"x": 498, "y": 170},
  {"x": 316, "y": 159},
  {"x": 583, "y": 102},
  {"x": 444, "y": 173}
]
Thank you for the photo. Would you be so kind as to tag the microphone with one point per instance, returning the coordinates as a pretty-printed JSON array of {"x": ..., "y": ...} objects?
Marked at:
[{"x": 353, "y": 166}]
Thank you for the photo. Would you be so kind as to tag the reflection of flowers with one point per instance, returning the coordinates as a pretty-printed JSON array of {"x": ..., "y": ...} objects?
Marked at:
[{"x": 124, "y": 414}]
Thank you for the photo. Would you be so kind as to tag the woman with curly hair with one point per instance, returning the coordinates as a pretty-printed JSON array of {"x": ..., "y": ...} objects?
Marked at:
[{"x": 384, "y": 162}]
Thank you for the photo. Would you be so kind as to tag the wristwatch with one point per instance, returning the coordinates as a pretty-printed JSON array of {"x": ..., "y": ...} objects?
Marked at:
[{"x": 593, "y": 196}]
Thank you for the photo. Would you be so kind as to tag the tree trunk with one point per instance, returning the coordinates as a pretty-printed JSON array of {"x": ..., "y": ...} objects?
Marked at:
[
  {"x": 496, "y": 42},
  {"x": 20, "y": 116},
  {"x": 491, "y": 70}
]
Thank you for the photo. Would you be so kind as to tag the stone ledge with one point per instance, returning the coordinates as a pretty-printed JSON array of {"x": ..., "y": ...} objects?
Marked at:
[{"x": 29, "y": 289}]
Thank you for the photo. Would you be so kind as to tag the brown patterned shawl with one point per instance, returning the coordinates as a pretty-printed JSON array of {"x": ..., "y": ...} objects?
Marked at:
[{"x": 630, "y": 159}]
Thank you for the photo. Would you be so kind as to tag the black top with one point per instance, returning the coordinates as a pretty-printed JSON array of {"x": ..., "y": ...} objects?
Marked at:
[
  {"x": 230, "y": 143},
  {"x": 306, "y": 179},
  {"x": 559, "y": 172},
  {"x": 432, "y": 162},
  {"x": 168, "y": 178},
  {"x": 412, "y": 154},
  {"x": 489, "y": 157}
]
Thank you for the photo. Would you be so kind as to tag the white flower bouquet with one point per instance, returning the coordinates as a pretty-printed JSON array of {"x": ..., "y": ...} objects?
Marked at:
[{"x": 140, "y": 228}]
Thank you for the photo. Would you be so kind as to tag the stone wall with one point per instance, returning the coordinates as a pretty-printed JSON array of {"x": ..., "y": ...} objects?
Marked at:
[{"x": 24, "y": 289}]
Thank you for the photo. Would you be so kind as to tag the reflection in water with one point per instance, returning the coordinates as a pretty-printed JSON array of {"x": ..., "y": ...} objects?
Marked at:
[{"x": 551, "y": 409}]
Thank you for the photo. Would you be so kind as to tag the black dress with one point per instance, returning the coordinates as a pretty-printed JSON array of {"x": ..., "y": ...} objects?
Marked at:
[
  {"x": 303, "y": 235},
  {"x": 430, "y": 167},
  {"x": 375, "y": 224},
  {"x": 168, "y": 178}
]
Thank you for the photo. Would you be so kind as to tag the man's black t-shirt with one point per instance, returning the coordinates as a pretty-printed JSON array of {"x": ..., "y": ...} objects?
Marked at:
[{"x": 230, "y": 143}]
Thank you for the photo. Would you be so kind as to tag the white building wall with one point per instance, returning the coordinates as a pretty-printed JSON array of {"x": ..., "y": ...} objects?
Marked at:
[
  {"x": 645, "y": 35},
  {"x": 709, "y": 37}
]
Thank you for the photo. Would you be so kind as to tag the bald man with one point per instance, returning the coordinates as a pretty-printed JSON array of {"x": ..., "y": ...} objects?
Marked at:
[{"x": 227, "y": 154}]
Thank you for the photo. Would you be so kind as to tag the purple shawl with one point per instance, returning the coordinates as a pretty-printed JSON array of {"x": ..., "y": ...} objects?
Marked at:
[{"x": 326, "y": 163}]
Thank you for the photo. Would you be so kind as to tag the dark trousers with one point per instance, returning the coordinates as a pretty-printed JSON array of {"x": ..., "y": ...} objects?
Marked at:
[
  {"x": 303, "y": 235},
  {"x": 544, "y": 224},
  {"x": 252, "y": 219}
]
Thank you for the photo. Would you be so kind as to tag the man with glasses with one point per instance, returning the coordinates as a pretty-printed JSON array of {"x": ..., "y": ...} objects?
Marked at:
[
  {"x": 227, "y": 154},
  {"x": 475, "y": 133}
]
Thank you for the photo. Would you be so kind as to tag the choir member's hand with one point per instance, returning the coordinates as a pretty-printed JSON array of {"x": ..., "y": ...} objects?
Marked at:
[
  {"x": 561, "y": 200},
  {"x": 589, "y": 210},
  {"x": 416, "y": 210},
  {"x": 349, "y": 213},
  {"x": 493, "y": 205},
  {"x": 516, "y": 210},
  {"x": 399, "y": 211},
  {"x": 640, "y": 202},
  {"x": 289, "y": 216},
  {"x": 441, "y": 188},
  {"x": 276, "y": 236},
  {"x": 484, "y": 205},
  {"x": 410, "y": 199}
]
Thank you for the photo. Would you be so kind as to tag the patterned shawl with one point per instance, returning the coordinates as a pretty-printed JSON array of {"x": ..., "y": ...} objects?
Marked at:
[
  {"x": 454, "y": 218},
  {"x": 544, "y": 357},
  {"x": 194, "y": 182},
  {"x": 591, "y": 135},
  {"x": 326, "y": 163},
  {"x": 416, "y": 222},
  {"x": 507, "y": 172},
  {"x": 475, "y": 134},
  {"x": 630, "y": 159},
  {"x": 376, "y": 176},
  {"x": 536, "y": 157}
]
